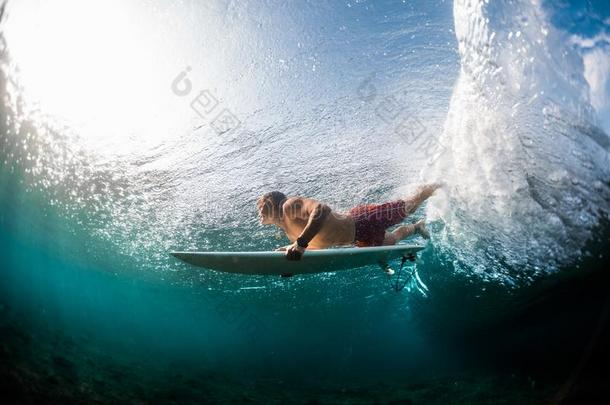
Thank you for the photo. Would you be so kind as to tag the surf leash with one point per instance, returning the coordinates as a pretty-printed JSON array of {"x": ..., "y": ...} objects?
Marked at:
[{"x": 398, "y": 286}]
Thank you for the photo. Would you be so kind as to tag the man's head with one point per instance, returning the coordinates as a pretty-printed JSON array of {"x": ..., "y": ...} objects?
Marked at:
[{"x": 270, "y": 207}]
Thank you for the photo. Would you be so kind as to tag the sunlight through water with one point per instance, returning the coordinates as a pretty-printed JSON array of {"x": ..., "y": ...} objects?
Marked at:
[{"x": 101, "y": 68}]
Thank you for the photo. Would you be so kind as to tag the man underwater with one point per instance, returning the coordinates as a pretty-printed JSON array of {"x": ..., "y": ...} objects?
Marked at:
[{"x": 309, "y": 223}]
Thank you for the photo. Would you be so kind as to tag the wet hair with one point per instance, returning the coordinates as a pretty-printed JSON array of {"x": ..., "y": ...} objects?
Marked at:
[{"x": 272, "y": 203}]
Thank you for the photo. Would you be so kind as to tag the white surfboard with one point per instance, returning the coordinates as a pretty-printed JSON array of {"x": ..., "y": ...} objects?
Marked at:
[{"x": 312, "y": 261}]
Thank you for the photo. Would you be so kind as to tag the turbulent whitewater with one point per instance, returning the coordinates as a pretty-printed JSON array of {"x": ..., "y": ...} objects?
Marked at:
[{"x": 526, "y": 162}]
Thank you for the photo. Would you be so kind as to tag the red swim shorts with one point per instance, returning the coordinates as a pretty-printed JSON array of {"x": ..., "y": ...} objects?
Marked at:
[{"x": 373, "y": 219}]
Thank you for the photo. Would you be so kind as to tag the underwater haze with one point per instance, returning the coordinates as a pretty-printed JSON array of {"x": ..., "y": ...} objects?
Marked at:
[{"x": 130, "y": 129}]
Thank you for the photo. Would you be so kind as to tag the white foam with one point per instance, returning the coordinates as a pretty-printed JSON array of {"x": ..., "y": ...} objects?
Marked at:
[{"x": 527, "y": 168}]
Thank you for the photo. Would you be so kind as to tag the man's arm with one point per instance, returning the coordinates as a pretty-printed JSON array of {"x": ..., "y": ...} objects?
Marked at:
[
  {"x": 315, "y": 220},
  {"x": 314, "y": 212}
]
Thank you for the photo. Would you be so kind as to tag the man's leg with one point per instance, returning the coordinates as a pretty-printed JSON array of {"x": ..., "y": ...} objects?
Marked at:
[
  {"x": 413, "y": 202},
  {"x": 402, "y": 232},
  {"x": 405, "y": 231},
  {"x": 390, "y": 239},
  {"x": 410, "y": 205}
]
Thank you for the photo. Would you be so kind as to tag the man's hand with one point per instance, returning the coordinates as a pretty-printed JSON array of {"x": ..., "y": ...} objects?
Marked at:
[{"x": 294, "y": 252}]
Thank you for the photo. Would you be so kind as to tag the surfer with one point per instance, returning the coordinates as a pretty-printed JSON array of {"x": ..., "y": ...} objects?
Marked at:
[{"x": 309, "y": 223}]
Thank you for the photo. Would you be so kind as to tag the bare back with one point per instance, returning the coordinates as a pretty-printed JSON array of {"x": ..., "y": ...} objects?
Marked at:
[{"x": 337, "y": 229}]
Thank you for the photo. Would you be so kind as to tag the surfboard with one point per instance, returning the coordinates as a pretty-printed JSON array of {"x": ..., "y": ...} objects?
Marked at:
[{"x": 312, "y": 261}]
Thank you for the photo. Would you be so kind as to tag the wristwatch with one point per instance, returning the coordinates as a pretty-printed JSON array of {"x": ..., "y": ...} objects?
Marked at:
[{"x": 302, "y": 243}]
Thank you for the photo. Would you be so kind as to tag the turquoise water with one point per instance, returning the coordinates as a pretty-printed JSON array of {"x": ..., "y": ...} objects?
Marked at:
[{"x": 105, "y": 167}]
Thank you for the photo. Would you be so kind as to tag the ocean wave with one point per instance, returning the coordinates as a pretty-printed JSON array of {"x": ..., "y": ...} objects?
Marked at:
[{"x": 526, "y": 163}]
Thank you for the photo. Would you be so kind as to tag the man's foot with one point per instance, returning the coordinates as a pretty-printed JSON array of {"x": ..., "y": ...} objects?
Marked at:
[
  {"x": 389, "y": 271},
  {"x": 420, "y": 227}
]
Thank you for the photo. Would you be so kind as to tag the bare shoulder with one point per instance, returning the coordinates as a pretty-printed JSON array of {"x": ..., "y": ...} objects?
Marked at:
[
  {"x": 292, "y": 203},
  {"x": 299, "y": 207}
]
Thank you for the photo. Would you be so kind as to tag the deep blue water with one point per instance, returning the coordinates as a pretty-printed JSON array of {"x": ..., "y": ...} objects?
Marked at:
[{"x": 105, "y": 167}]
